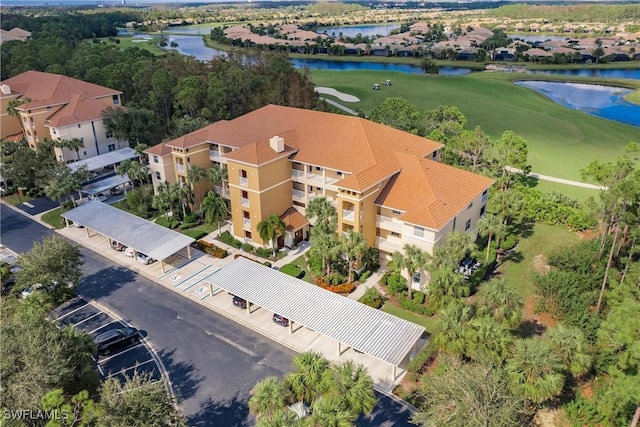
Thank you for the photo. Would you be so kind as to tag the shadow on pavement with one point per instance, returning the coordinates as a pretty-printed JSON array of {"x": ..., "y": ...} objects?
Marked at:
[
  {"x": 182, "y": 375},
  {"x": 105, "y": 281},
  {"x": 232, "y": 413},
  {"x": 388, "y": 413}
]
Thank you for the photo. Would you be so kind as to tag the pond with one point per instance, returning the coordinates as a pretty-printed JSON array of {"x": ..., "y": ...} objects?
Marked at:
[
  {"x": 602, "y": 101},
  {"x": 609, "y": 73},
  {"x": 323, "y": 64},
  {"x": 364, "y": 30}
]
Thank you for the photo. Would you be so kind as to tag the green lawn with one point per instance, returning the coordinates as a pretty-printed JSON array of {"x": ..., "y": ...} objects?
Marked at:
[
  {"x": 428, "y": 323},
  {"x": 150, "y": 45},
  {"x": 544, "y": 240},
  {"x": 561, "y": 141},
  {"x": 300, "y": 262},
  {"x": 579, "y": 193},
  {"x": 53, "y": 218}
]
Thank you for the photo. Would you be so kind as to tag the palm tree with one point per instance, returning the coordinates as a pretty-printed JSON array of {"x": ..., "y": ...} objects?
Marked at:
[
  {"x": 324, "y": 212},
  {"x": 489, "y": 339},
  {"x": 534, "y": 371},
  {"x": 270, "y": 229},
  {"x": 501, "y": 301},
  {"x": 306, "y": 381},
  {"x": 327, "y": 412},
  {"x": 445, "y": 285},
  {"x": 184, "y": 195},
  {"x": 569, "y": 344},
  {"x": 453, "y": 327},
  {"x": 354, "y": 246},
  {"x": 270, "y": 398},
  {"x": 490, "y": 226},
  {"x": 74, "y": 144},
  {"x": 217, "y": 176},
  {"x": 214, "y": 209},
  {"x": 12, "y": 106},
  {"x": 412, "y": 261},
  {"x": 352, "y": 386},
  {"x": 138, "y": 172},
  {"x": 164, "y": 198}
]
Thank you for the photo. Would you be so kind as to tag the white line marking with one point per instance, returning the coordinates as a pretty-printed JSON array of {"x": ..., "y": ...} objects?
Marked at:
[
  {"x": 118, "y": 354},
  {"x": 72, "y": 311},
  {"x": 231, "y": 343},
  {"x": 84, "y": 320},
  {"x": 130, "y": 367},
  {"x": 29, "y": 205},
  {"x": 100, "y": 327}
]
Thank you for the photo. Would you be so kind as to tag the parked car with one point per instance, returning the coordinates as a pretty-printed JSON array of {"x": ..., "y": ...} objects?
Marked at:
[
  {"x": 110, "y": 340},
  {"x": 117, "y": 246},
  {"x": 98, "y": 197},
  {"x": 116, "y": 191},
  {"x": 130, "y": 252},
  {"x": 280, "y": 320},
  {"x": 144, "y": 259},
  {"x": 239, "y": 302},
  {"x": 27, "y": 292}
]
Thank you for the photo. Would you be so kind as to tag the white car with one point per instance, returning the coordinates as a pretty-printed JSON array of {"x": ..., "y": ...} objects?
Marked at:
[
  {"x": 130, "y": 252},
  {"x": 98, "y": 197},
  {"x": 144, "y": 259},
  {"x": 29, "y": 291}
]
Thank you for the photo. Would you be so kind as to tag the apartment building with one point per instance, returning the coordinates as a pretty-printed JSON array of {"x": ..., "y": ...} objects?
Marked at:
[
  {"x": 57, "y": 107},
  {"x": 384, "y": 183}
]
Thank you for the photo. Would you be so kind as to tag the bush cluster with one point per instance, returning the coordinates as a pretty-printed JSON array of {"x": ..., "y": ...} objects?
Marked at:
[
  {"x": 211, "y": 249},
  {"x": 396, "y": 284},
  {"x": 364, "y": 276},
  {"x": 344, "y": 288},
  {"x": 416, "y": 307},
  {"x": 227, "y": 238},
  {"x": 372, "y": 298},
  {"x": 417, "y": 365}
]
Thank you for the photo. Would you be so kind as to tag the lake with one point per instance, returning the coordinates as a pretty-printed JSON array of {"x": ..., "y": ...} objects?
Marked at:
[
  {"x": 602, "y": 101},
  {"x": 364, "y": 30}
]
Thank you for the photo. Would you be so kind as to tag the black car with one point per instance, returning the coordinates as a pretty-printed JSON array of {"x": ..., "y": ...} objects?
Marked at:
[
  {"x": 282, "y": 321},
  {"x": 239, "y": 302},
  {"x": 116, "y": 338},
  {"x": 116, "y": 191}
]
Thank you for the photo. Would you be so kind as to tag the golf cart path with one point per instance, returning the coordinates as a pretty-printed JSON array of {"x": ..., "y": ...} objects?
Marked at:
[{"x": 340, "y": 95}]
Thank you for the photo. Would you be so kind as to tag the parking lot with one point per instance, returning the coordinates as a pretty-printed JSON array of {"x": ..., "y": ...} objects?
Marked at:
[{"x": 124, "y": 362}]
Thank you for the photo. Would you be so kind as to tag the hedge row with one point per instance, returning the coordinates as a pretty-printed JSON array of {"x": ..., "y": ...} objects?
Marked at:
[
  {"x": 211, "y": 249},
  {"x": 344, "y": 288},
  {"x": 417, "y": 365}
]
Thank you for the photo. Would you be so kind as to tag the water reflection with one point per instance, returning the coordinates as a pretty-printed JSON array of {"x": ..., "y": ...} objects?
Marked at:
[
  {"x": 364, "y": 30},
  {"x": 601, "y": 101},
  {"x": 323, "y": 64}
]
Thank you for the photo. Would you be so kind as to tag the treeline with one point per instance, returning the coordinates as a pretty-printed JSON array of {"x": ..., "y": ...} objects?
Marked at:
[
  {"x": 173, "y": 94},
  {"x": 613, "y": 14}
]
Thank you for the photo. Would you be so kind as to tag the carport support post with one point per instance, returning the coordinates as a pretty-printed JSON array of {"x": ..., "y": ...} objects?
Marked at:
[
  {"x": 248, "y": 307},
  {"x": 189, "y": 251},
  {"x": 87, "y": 228},
  {"x": 338, "y": 348},
  {"x": 290, "y": 327},
  {"x": 162, "y": 266},
  {"x": 393, "y": 373},
  {"x": 66, "y": 221}
]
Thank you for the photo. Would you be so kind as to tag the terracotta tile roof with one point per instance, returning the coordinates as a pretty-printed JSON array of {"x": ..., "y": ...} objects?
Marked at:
[
  {"x": 79, "y": 109},
  {"x": 46, "y": 89},
  {"x": 260, "y": 152},
  {"x": 293, "y": 219},
  {"x": 430, "y": 193},
  {"x": 161, "y": 149}
]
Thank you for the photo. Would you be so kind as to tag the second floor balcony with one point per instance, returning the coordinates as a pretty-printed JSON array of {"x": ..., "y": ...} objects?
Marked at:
[
  {"x": 297, "y": 194},
  {"x": 245, "y": 202},
  {"x": 244, "y": 181},
  {"x": 246, "y": 223},
  {"x": 349, "y": 215},
  {"x": 180, "y": 168}
]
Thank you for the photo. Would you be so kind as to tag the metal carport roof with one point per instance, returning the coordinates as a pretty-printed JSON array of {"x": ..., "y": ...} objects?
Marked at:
[
  {"x": 359, "y": 326},
  {"x": 151, "y": 239},
  {"x": 105, "y": 184},
  {"x": 104, "y": 160}
]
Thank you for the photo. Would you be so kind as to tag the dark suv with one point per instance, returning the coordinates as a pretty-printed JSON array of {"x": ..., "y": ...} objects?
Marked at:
[
  {"x": 239, "y": 302},
  {"x": 116, "y": 338},
  {"x": 282, "y": 321}
]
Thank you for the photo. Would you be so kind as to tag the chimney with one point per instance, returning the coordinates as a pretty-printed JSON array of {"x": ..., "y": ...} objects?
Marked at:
[
  {"x": 5, "y": 89},
  {"x": 277, "y": 144}
]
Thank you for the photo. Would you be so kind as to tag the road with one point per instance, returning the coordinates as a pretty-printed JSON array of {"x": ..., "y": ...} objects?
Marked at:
[{"x": 212, "y": 362}]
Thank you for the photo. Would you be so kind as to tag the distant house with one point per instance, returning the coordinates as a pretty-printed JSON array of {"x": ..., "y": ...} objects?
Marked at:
[
  {"x": 14, "y": 34},
  {"x": 503, "y": 54}
]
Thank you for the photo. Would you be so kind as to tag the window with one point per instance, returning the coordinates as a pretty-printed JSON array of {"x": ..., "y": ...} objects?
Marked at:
[
  {"x": 247, "y": 234},
  {"x": 158, "y": 176},
  {"x": 318, "y": 168},
  {"x": 54, "y": 131},
  {"x": 434, "y": 156},
  {"x": 395, "y": 212},
  {"x": 339, "y": 173},
  {"x": 155, "y": 159},
  {"x": 246, "y": 215},
  {"x": 467, "y": 225},
  {"x": 245, "y": 195},
  {"x": 111, "y": 147},
  {"x": 394, "y": 234},
  {"x": 418, "y": 231},
  {"x": 243, "y": 173},
  {"x": 416, "y": 277},
  {"x": 482, "y": 210},
  {"x": 116, "y": 101},
  {"x": 79, "y": 125},
  {"x": 470, "y": 205},
  {"x": 108, "y": 134},
  {"x": 454, "y": 223},
  {"x": 84, "y": 153},
  {"x": 485, "y": 195}
]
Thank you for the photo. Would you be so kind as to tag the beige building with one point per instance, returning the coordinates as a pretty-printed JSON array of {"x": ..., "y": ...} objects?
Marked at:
[
  {"x": 385, "y": 183},
  {"x": 57, "y": 107}
]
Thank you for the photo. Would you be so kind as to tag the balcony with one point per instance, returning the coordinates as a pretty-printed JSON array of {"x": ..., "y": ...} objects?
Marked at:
[
  {"x": 297, "y": 175},
  {"x": 246, "y": 223},
  {"x": 297, "y": 195},
  {"x": 390, "y": 245},
  {"x": 180, "y": 168},
  {"x": 214, "y": 154},
  {"x": 245, "y": 202},
  {"x": 223, "y": 191},
  {"x": 390, "y": 224},
  {"x": 244, "y": 182}
]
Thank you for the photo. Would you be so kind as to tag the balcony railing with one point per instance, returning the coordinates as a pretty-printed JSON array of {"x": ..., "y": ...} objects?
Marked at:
[
  {"x": 245, "y": 202},
  {"x": 297, "y": 194},
  {"x": 214, "y": 153},
  {"x": 180, "y": 167},
  {"x": 246, "y": 223},
  {"x": 244, "y": 181},
  {"x": 348, "y": 214},
  {"x": 297, "y": 174}
]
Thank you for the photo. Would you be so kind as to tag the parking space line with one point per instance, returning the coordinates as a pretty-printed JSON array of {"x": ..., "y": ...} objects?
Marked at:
[
  {"x": 118, "y": 354},
  {"x": 130, "y": 367},
  {"x": 90, "y": 317},
  {"x": 166, "y": 273},
  {"x": 100, "y": 327},
  {"x": 197, "y": 273},
  {"x": 71, "y": 312}
]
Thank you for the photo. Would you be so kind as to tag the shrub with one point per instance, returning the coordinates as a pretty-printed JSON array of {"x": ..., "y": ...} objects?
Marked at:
[
  {"x": 364, "y": 276},
  {"x": 187, "y": 225},
  {"x": 227, "y": 238},
  {"x": 385, "y": 278},
  {"x": 344, "y": 288},
  {"x": 417, "y": 365},
  {"x": 372, "y": 298},
  {"x": 292, "y": 270},
  {"x": 220, "y": 253},
  {"x": 414, "y": 306},
  {"x": 334, "y": 279},
  {"x": 267, "y": 263},
  {"x": 248, "y": 247},
  {"x": 191, "y": 218},
  {"x": 264, "y": 252},
  {"x": 509, "y": 242},
  {"x": 396, "y": 283},
  {"x": 419, "y": 297}
]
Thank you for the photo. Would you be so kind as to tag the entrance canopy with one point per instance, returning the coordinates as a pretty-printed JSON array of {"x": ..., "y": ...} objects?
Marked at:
[
  {"x": 349, "y": 322},
  {"x": 154, "y": 240},
  {"x": 104, "y": 160}
]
